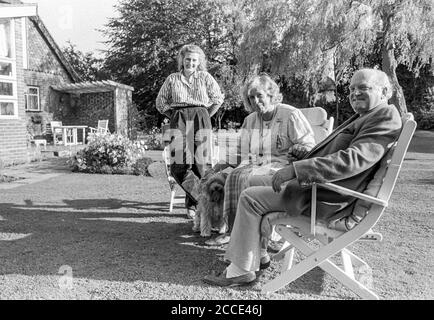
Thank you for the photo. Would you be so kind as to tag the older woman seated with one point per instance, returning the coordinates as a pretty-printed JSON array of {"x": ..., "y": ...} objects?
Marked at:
[{"x": 272, "y": 136}]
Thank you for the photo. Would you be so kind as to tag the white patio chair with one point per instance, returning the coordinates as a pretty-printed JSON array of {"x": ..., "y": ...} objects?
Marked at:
[
  {"x": 57, "y": 131},
  {"x": 321, "y": 126},
  {"x": 299, "y": 231},
  {"x": 171, "y": 180},
  {"x": 102, "y": 127}
]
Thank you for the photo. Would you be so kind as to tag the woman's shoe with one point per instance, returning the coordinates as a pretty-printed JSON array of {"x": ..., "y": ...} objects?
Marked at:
[{"x": 218, "y": 241}]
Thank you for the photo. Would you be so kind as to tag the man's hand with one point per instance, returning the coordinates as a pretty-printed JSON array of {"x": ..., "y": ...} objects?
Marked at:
[
  {"x": 282, "y": 176},
  {"x": 297, "y": 152}
]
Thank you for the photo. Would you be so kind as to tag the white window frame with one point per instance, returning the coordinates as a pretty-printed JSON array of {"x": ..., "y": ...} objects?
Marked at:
[
  {"x": 28, "y": 95},
  {"x": 11, "y": 79},
  {"x": 24, "y": 37},
  {"x": 14, "y": 70}
]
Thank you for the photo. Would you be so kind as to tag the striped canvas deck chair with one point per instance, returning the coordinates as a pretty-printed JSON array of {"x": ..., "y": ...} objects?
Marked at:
[{"x": 298, "y": 232}]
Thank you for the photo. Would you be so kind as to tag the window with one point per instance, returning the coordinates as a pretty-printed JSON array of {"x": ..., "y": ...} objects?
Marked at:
[
  {"x": 5, "y": 38},
  {"x": 7, "y": 108},
  {"x": 8, "y": 77},
  {"x": 5, "y": 69},
  {"x": 32, "y": 99},
  {"x": 6, "y": 89}
]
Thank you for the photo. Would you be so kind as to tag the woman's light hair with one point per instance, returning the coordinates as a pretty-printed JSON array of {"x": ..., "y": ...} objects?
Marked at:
[
  {"x": 191, "y": 48},
  {"x": 381, "y": 79},
  {"x": 263, "y": 82}
]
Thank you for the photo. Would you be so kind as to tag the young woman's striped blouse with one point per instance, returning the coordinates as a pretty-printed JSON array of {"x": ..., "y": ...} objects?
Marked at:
[{"x": 177, "y": 91}]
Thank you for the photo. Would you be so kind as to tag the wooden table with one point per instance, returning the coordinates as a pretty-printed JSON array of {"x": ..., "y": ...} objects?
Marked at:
[{"x": 70, "y": 133}]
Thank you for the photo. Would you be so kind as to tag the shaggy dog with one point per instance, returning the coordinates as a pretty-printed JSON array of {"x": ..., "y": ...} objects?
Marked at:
[{"x": 209, "y": 214}]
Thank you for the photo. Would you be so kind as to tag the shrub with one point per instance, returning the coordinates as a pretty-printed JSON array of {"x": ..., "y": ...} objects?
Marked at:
[
  {"x": 108, "y": 154},
  {"x": 140, "y": 168},
  {"x": 424, "y": 119},
  {"x": 153, "y": 138}
]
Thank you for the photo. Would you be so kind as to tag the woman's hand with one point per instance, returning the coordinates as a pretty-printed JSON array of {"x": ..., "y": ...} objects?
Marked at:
[{"x": 282, "y": 176}]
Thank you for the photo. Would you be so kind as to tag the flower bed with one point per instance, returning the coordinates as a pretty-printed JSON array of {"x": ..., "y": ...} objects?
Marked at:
[
  {"x": 111, "y": 154},
  {"x": 5, "y": 178}
]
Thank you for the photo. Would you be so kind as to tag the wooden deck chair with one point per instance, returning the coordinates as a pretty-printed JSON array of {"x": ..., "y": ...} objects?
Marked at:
[
  {"x": 317, "y": 117},
  {"x": 102, "y": 127},
  {"x": 322, "y": 128},
  {"x": 369, "y": 208},
  {"x": 171, "y": 180}
]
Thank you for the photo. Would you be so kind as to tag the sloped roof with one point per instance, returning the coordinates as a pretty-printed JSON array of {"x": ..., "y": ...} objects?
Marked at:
[
  {"x": 47, "y": 36},
  {"x": 91, "y": 87},
  {"x": 55, "y": 48}
]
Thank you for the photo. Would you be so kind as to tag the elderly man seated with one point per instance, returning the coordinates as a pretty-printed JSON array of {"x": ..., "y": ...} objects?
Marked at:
[{"x": 349, "y": 157}]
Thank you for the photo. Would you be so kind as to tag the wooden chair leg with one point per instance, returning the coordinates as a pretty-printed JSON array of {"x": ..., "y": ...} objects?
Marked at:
[
  {"x": 288, "y": 260},
  {"x": 356, "y": 261},
  {"x": 311, "y": 261},
  {"x": 172, "y": 200},
  {"x": 347, "y": 263},
  {"x": 283, "y": 251}
]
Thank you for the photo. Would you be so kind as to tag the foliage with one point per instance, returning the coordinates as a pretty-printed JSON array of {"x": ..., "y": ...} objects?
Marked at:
[
  {"x": 146, "y": 37},
  {"x": 308, "y": 40},
  {"x": 88, "y": 67},
  {"x": 109, "y": 154},
  {"x": 153, "y": 138},
  {"x": 299, "y": 42},
  {"x": 5, "y": 178},
  {"x": 136, "y": 121},
  {"x": 419, "y": 93},
  {"x": 140, "y": 168}
]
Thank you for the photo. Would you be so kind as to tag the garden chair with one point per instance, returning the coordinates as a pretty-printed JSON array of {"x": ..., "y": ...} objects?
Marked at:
[
  {"x": 102, "y": 127},
  {"x": 57, "y": 132},
  {"x": 171, "y": 180},
  {"x": 166, "y": 138},
  {"x": 298, "y": 232},
  {"x": 321, "y": 126}
]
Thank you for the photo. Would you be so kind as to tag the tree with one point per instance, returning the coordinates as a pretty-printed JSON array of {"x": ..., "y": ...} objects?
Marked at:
[
  {"x": 146, "y": 37},
  {"x": 406, "y": 37},
  {"x": 308, "y": 40},
  {"x": 88, "y": 67}
]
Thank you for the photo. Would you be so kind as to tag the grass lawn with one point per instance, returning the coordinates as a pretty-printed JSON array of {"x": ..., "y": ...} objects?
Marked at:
[{"x": 79, "y": 236}]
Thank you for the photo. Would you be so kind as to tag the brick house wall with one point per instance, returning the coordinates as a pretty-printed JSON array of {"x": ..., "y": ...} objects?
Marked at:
[
  {"x": 13, "y": 133},
  {"x": 88, "y": 108},
  {"x": 44, "y": 70}
]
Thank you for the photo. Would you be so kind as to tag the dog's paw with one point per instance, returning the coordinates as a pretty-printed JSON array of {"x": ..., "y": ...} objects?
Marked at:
[{"x": 222, "y": 230}]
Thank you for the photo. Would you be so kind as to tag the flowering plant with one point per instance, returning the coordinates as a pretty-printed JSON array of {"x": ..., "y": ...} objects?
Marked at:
[
  {"x": 108, "y": 153},
  {"x": 153, "y": 138}
]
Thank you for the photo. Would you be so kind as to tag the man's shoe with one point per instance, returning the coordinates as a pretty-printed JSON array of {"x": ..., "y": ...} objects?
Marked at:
[
  {"x": 265, "y": 262},
  {"x": 222, "y": 281},
  {"x": 274, "y": 246},
  {"x": 218, "y": 241},
  {"x": 191, "y": 214}
]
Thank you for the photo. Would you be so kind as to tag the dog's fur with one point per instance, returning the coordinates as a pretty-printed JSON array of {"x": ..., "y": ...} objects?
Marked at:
[{"x": 209, "y": 212}]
